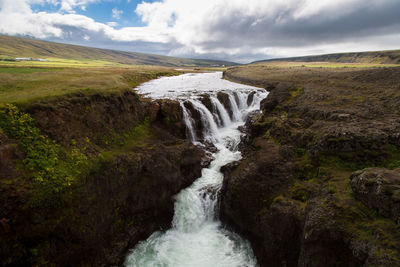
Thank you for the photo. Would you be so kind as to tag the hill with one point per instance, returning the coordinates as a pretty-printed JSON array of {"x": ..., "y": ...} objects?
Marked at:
[
  {"x": 17, "y": 47},
  {"x": 376, "y": 57}
]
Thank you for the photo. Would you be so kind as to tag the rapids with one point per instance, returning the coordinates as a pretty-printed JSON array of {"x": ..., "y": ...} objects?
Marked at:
[{"x": 197, "y": 237}]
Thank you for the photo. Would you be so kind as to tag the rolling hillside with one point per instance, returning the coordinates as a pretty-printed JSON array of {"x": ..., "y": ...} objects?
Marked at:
[
  {"x": 377, "y": 57},
  {"x": 13, "y": 47}
]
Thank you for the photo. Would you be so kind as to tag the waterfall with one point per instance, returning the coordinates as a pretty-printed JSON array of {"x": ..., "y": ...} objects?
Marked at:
[
  {"x": 216, "y": 113},
  {"x": 209, "y": 125},
  {"x": 237, "y": 115},
  {"x": 221, "y": 111},
  {"x": 257, "y": 98},
  {"x": 242, "y": 99},
  {"x": 189, "y": 123},
  {"x": 197, "y": 237}
]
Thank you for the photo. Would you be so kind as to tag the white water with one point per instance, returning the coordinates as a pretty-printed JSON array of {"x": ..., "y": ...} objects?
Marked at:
[
  {"x": 221, "y": 111},
  {"x": 197, "y": 237}
]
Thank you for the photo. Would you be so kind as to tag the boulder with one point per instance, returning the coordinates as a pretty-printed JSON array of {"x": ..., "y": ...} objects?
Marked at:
[
  {"x": 378, "y": 189},
  {"x": 278, "y": 95}
]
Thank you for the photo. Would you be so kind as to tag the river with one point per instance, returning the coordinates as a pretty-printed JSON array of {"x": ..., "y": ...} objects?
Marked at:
[{"x": 197, "y": 237}]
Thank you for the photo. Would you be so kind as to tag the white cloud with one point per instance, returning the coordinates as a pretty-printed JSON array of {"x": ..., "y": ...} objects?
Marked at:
[
  {"x": 112, "y": 24},
  {"x": 116, "y": 13},
  {"x": 70, "y": 5},
  {"x": 234, "y": 29}
]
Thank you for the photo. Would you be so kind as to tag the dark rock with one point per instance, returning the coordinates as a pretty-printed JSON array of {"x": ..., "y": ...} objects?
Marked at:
[
  {"x": 170, "y": 117},
  {"x": 322, "y": 121},
  {"x": 210, "y": 191},
  {"x": 248, "y": 191},
  {"x": 124, "y": 197},
  {"x": 93, "y": 117},
  {"x": 9, "y": 153},
  {"x": 378, "y": 189},
  {"x": 278, "y": 95},
  {"x": 224, "y": 99},
  {"x": 209, "y": 147},
  {"x": 196, "y": 116},
  {"x": 250, "y": 98},
  {"x": 323, "y": 242},
  {"x": 122, "y": 202},
  {"x": 205, "y": 99}
]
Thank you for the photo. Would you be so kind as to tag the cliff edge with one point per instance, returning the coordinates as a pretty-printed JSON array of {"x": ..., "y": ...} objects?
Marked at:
[
  {"x": 83, "y": 178},
  {"x": 292, "y": 195}
]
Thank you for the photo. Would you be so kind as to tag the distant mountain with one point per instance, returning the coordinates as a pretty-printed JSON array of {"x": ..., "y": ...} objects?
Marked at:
[
  {"x": 13, "y": 47},
  {"x": 378, "y": 57}
]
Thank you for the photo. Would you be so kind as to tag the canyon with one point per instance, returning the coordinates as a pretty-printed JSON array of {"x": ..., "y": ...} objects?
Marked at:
[{"x": 291, "y": 185}]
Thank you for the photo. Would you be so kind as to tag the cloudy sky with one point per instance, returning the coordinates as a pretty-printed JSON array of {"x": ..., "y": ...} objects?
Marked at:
[{"x": 236, "y": 30}]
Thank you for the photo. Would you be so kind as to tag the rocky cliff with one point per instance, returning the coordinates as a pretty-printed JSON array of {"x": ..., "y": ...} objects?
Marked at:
[
  {"x": 130, "y": 156},
  {"x": 291, "y": 194}
]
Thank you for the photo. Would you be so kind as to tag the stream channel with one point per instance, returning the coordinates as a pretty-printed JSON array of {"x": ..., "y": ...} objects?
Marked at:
[{"x": 197, "y": 237}]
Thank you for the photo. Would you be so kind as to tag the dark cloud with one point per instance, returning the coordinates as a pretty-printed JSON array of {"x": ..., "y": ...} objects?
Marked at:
[{"x": 282, "y": 29}]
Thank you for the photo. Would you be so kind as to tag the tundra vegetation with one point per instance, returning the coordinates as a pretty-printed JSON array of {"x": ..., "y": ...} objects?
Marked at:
[
  {"x": 84, "y": 160},
  {"x": 323, "y": 124}
]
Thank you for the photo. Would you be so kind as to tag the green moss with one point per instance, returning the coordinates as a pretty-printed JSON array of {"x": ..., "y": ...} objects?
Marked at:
[
  {"x": 269, "y": 136},
  {"x": 342, "y": 161},
  {"x": 299, "y": 192},
  {"x": 396, "y": 195},
  {"x": 352, "y": 161},
  {"x": 135, "y": 137},
  {"x": 278, "y": 199},
  {"x": 282, "y": 200},
  {"x": 331, "y": 188},
  {"x": 393, "y": 159},
  {"x": 52, "y": 168},
  {"x": 368, "y": 227},
  {"x": 305, "y": 168},
  {"x": 301, "y": 151},
  {"x": 294, "y": 93},
  {"x": 140, "y": 132}
]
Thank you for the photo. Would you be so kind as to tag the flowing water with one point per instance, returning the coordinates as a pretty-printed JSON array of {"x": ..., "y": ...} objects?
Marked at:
[{"x": 197, "y": 237}]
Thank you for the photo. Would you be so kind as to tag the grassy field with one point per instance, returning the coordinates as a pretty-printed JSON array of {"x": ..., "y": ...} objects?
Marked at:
[
  {"x": 341, "y": 82},
  {"x": 64, "y": 54},
  {"x": 288, "y": 64},
  {"x": 21, "y": 85},
  {"x": 375, "y": 57},
  {"x": 63, "y": 62}
]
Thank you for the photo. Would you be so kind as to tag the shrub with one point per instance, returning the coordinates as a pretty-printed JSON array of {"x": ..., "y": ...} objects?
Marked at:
[{"x": 52, "y": 168}]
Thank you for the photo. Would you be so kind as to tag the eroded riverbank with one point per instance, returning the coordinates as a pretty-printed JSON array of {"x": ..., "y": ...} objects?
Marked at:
[{"x": 291, "y": 195}]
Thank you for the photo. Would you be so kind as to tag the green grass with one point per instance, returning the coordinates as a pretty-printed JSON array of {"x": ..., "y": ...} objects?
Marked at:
[
  {"x": 136, "y": 137},
  {"x": 73, "y": 55},
  {"x": 53, "y": 169},
  {"x": 12, "y": 70},
  {"x": 351, "y": 65},
  {"x": 331, "y": 65},
  {"x": 375, "y": 57},
  {"x": 24, "y": 85}
]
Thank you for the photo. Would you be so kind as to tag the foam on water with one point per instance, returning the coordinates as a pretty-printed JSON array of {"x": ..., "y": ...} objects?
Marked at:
[
  {"x": 197, "y": 237},
  {"x": 190, "y": 85}
]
